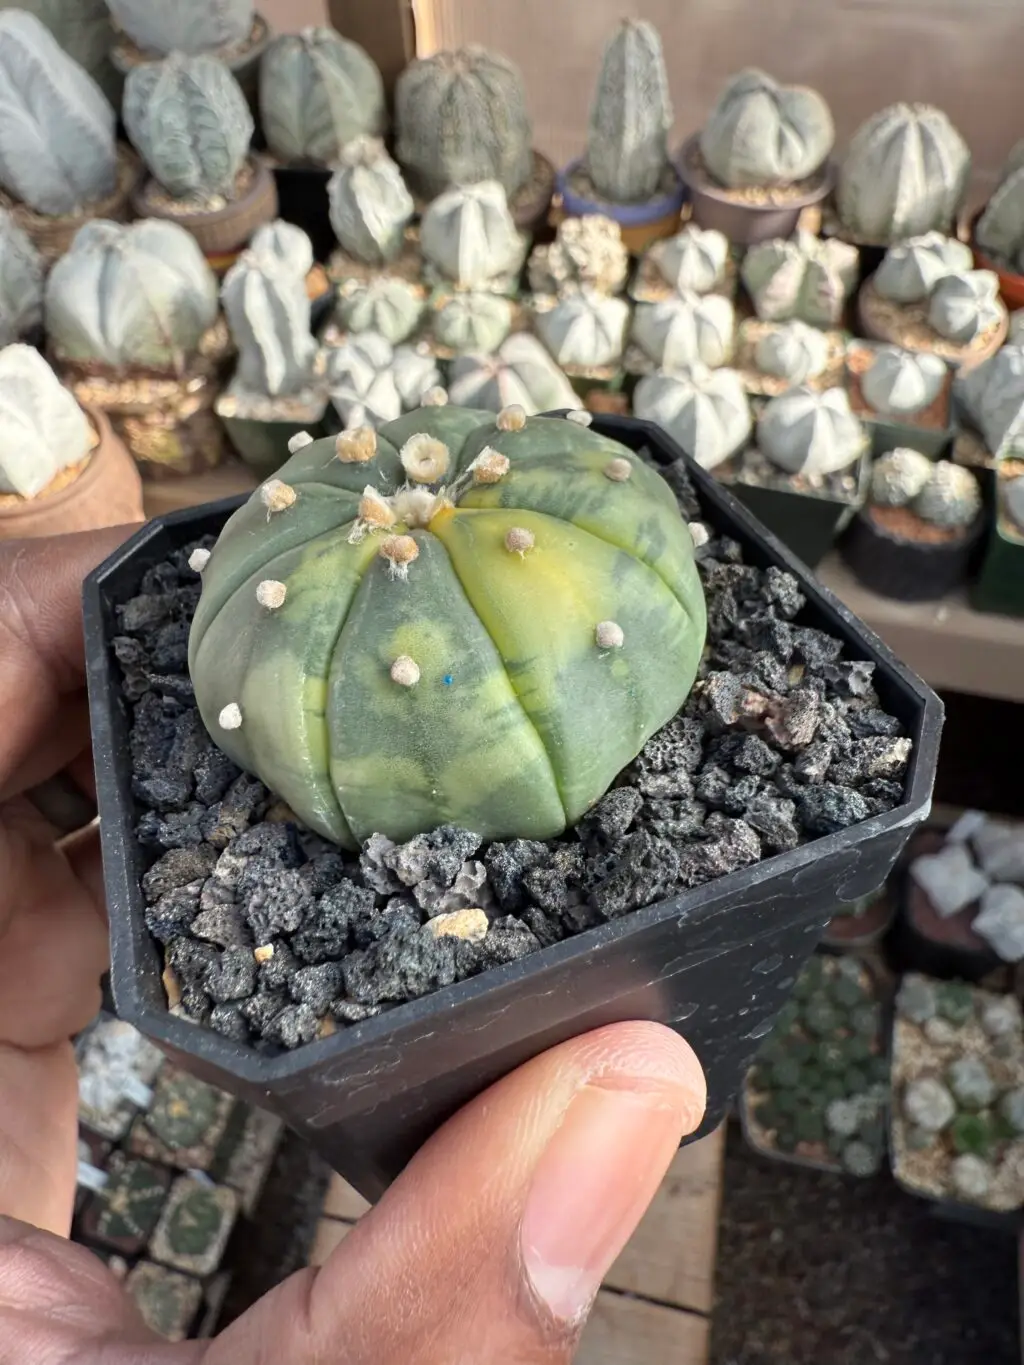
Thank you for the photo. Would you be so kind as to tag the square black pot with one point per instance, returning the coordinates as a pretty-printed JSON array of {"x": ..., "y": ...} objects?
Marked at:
[{"x": 715, "y": 963}]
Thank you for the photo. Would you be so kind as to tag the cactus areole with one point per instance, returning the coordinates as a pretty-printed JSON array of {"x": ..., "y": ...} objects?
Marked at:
[{"x": 456, "y": 619}]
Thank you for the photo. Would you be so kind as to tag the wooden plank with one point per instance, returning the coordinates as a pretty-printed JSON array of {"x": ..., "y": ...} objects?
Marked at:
[
  {"x": 628, "y": 1331},
  {"x": 385, "y": 28},
  {"x": 343, "y": 1201},
  {"x": 330, "y": 1233},
  {"x": 192, "y": 490}
]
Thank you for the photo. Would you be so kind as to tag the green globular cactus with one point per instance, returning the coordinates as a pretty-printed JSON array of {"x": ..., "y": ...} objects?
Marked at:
[
  {"x": 1000, "y": 229},
  {"x": 447, "y": 590},
  {"x": 370, "y": 205},
  {"x": 519, "y": 374},
  {"x": 190, "y": 26},
  {"x": 42, "y": 428},
  {"x": 318, "y": 91},
  {"x": 992, "y": 395},
  {"x": 384, "y": 304},
  {"x": 695, "y": 258},
  {"x": 685, "y": 330},
  {"x": 950, "y": 499},
  {"x": 58, "y": 143},
  {"x": 268, "y": 311},
  {"x": 896, "y": 480},
  {"x": 461, "y": 118},
  {"x": 585, "y": 331},
  {"x": 371, "y": 383},
  {"x": 630, "y": 117},
  {"x": 810, "y": 433},
  {"x": 285, "y": 243},
  {"x": 137, "y": 296},
  {"x": 473, "y": 322},
  {"x": 468, "y": 236},
  {"x": 905, "y": 173},
  {"x": 901, "y": 383},
  {"x": 706, "y": 411},
  {"x": 191, "y": 124},
  {"x": 910, "y": 270},
  {"x": 792, "y": 351},
  {"x": 764, "y": 134},
  {"x": 964, "y": 307},
  {"x": 21, "y": 282},
  {"x": 803, "y": 279},
  {"x": 587, "y": 253}
]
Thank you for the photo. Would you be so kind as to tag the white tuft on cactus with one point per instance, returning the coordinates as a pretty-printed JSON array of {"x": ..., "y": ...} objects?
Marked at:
[
  {"x": 370, "y": 205},
  {"x": 476, "y": 323},
  {"x": 21, "y": 282},
  {"x": 761, "y": 133},
  {"x": 585, "y": 331},
  {"x": 468, "y": 236},
  {"x": 42, "y": 428},
  {"x": 706, "y": 411},
  {"x": 964, "y": 307},
  {"x": 587, "y": 252},
  {"x": 992, "y": 395},
  {"x": 901, "y": 383},
  {"x": 802, "y": 279},
  {"x": 687, "y": 329},
  {"x": 384, "y": 304},
  {"x": 520, "y": 375},
  {"x": 910, "y": 270},
  {"x": 695, "y": 259},
  {"x": 815, "y": 434},
  {"x": 792, "y": 351},
  {"x": 899, "y": 476},
  {"x": 268, "y": 311},
  {"x": 951, "y": 498},
  {"x": 630, "y": 117},
  {"x": 286, "y": 243},
  {"x": 183, "y": 25}
]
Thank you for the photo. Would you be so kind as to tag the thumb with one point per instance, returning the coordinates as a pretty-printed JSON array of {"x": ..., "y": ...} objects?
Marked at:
[{"x": 492, "y": 1245}]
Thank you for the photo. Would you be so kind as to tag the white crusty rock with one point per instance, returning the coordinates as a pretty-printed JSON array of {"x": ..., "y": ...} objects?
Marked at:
[{"x": 1001, "y": 921}]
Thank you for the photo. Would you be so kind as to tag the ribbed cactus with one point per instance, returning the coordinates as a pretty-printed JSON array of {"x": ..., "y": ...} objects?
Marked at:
[
  {"x": 1000, "y": 229},
  {"x": 792, "y": 351},
  {"x": 191, "y": 124},
  {"x": 427, "y": 662},
  {"x": 898, "y": 477},
  {"x": 695, "y": 258},
  {"x": 901, "y": 383},
  {"x": 993, "y": 397},
  {"x": 42, "y": 428},
  {"x": 183, "y": 25},
  {"x": 950, "y": 499},
  {"x": 1013, "y": 500},
  {"x": 371, "y": 383},
  {"x": 139, "y": 296},
  {"x": 370, "y": 205},
  {"x": 384, "y": 304},
  {"x": 815, "y": 434},
  {"x": 268, "y": 311},
  {"x": 318, "y": 91},
  {"x": 963, "y": 307},
  {"x": 630, "y": 118},
  {"x": 461, "y": 118},
  {"x": 685, "y": 330},
  {"x": 585, "y": 331},
  {"x": 519, "y": 374},
  {"x": 905, "y": 173},
  {"x": 706, "y": 411},
  {"x": 83, "y": 30},
  {"x": 473, "y": 322},
  {"x": 910, "y": 270},
  {"x": 57, "y": 128},
  {"x": 587, "y": 252},
  {"x": 803, "y": 279},
  {"x": 21, "y": 282},
  {"x": 285, "y": 243},
  {"x": 468, "y": 236},
  {"x": 762, "y": 134}
]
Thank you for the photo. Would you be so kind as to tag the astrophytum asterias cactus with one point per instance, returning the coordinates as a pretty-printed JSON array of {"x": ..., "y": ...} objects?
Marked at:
[
  {"x": 191, "y": 124},
  {"x": 268, "y": 311},
  {"x": 803, "y": 279},
  {"x": 449, "y": 591},
  {"x": 371, "y": 383},
  {"x": 57, "y": 128},
  {"x": 695, "y": 259},
  {"x": 370, "y": 205},
  {"x": 183, "y": 25},
  {"x": 42, "y": 428},
  {"x": 792, "y": 351},
  {"x": 899, "y": 476},
  {"x": 318, "y": 91},
  {"x": 950, "y": 499},
  {"x": 910, "y": 270},
  {"x": 900, "y": 383},
  {"x": 21, "y": 282},
  {"x": 1000, "y": 229},
  {"x": 993, "y": 398},
  {"x": 136, "y": 296},
  {"x": 473, "y": 322},
  {"x": 687, "y": 329},
  {"x": 905, "y": 173},
  {"x": 520, "y": 374},
  {"x": 630, "y": 117},
  {"x": 706, "y": 411},
  {"x": 963, "y": 307},
  {"x": 286, "y": 243},
  {"x": 806, "y": 432},
  {"x": 384, "y": 304},
  {"x": 762, "y": 134},
  {"x": 468, "y": 236},
  {"x": 585, "y": 331},
  {"x": 461, "y": 118},
  {"x": 587, "y": 252}
]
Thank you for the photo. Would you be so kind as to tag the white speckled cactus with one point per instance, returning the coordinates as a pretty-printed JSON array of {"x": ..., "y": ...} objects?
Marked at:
[
  {"x": 57, "y": 128},
  {"x": 384, "y": 304},
  {"x": 130, "y": 296},
  {"x": 963, "y": 307},
  {"x": 370, "y": 205},
  {"x": 585, "y": 331},
  {"x": 695, "y": 258},
  {"x": 950, "y": 499},
  {"x": 761, "y": 133},
  {"x": 686, "y": 330},
  {"x": 521, "y": 372},
  {"x": 468, "y": 236},
  {"x": 815, "y": 434},
  {"x": 901, "y": 383},
  {"x": 1000, "y": 229},
  {"x": 630, "y": 117},
  {"x": 285, "y": 243},
  {"x": 802, "y": 279},
  {"x": 588, "y": 252},
  {"x": 183, "y": 25},
  {"x": 268, "y": 311},
  {"x": 21, "y": 282},
  {"x": 83, "y": 30},
  {"x": 792, "y": 351},
  {"x": 910, "y": 270},
  {"x": 706, "y": 411},
  {"x": 898, "y": 477},
  {"x": 461, "y": 118},
  {"x": 905, "y": 173},
  {"x": 42, "y": 428},
  {"x": 191, "y": 124},
  {"x": 992, "y": 395},
  {"x": 473, "y": 322},
  {"x": 318, "y": 91},
  {"x": 371, "y": 383}
]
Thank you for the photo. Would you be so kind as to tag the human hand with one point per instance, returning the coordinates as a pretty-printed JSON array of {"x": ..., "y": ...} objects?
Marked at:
[{"x": 488, "y": 1249}]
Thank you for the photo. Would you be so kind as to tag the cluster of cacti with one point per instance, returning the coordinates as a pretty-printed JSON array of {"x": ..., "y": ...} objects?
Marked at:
[
  {"x": 792, "y": 351},
  {"x": 684, "y": 330},
  {"x": 901, "y": 383},
  {"x": 587, "y": 253},
  {"x": 992, "y": 397},
  {"x": 268, "y": 310},
  {"x": 706, "y": 411},
  {"x": 763, "y": 134},
  {"x": 468, "y": 236},
  {"x": 695, "y": 258},
  {"x": 383, "y": 304},
  {"x": 965, "y": 306},
  {"x": 21, "y": 282},
  {"x": 189, "y": 26},
  {"x": 585, "y": 331},
  {"x": 943, "y": 493},
  {"x": 371, "y": 383},
  {"x": 811, "y": 433},
  {"x": 42, "y": 428},
  {"x": 1000, "y": 229},
  {"x": 370, "y": 205},
  {"x": 520, "y": 373},
  {"x": 472, "y": 322},
  {"x": 630, "y": 117},
  {"x": 911, "y": 269},
  {"x": 445, "y": 591},
  {"x": 803, "y": 279}
]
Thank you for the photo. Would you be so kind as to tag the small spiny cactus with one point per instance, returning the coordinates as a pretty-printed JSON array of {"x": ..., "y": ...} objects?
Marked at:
[
  {"x": 910, "y": 270},
  {"x": 695, "y": 258},
  {"x": 686, "y": 330},
  {"x": 630, "y": 118},
  {"x": 706, "y": 411},
  {"x": 896, "y": 480},
  {"x": 792, "y": 351},
  {"x": 763, "y": 134},
  {"x": 468, "y": 236},
  {"x": 42, "y": 428},
  {"x": 965, "y": 306},
  {"x": 803, "y": 279},
  {"x": 190, "y": 26},
  {"x": 993, "y": 396},
  {"x": 587, "y": 253},
  {"x": 815, "y": 434},
  {"x": 286, "y": 243},
  {"x": 585, "y": 331},
  {"x": 370, "y": 205},
  {"x": 519, "y": 374},
  {"x": 384, "y": 304},
  {"x": 950, "y": 499},
  {"x": 900, "y": 383},
  {"x": 268, "y": 311},
  {"x": 473, "y": 322},
  {"x": 21, "y": 282},
  {"x": 1000, "y": 229}
]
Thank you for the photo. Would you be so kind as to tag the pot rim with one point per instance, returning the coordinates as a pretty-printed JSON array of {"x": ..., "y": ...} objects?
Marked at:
[
  {"x": 626, "y": 215},
  {"x": 700, "y": 184},
  {"x": 99, "y": 460}
]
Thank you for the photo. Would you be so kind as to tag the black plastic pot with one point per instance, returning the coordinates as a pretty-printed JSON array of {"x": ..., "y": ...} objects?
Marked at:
[
  {"x": 716, "y": 963},
  {"x": 302, "y": 200},
  {"x": 999, "y": 585},
  {"x": 908, "y": 570},
  {"x": 263, "y": 446}
]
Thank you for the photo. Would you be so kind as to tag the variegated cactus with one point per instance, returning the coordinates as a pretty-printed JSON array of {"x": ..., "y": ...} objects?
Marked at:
[
  {"x": 473, "y": 322},
  {"x": 630, "y": 117},
  {"x": 695, "y": 258},
  {"x": 585, "y": 331},
  {"x": 370, "y": 205},
  {"x": 371, "y": 383},
  {"x": 803, "y": 279},
  {"x": 910, "y": 270},
  {"x": 191, "y": 124},
  {"x": 951, "y": 499},
  {"x": 285, "y": 243},
  {"x": 384, "y": 304},
  {"x": 191, "y": 26},
  {"x": 901, "y": 383},
  {"x": 963, "y": 307},
  {"x": 1000, "y": 229},
  {"x": 685, "y": 330},
  {"x": 21, "y": 282},
  {"x": 761, "y": 133},
  {"x": 992, "y": 395},
  {"x": 136, "y": 296},
  {"x": 706, "y": 411},
  {"x": 811, "y": 433},
  {"x": 57, "y": 128},
  {"x": 42, "y": 428},
  {"x": 905, "y": 173},
  {"x": 792, "y": 351},
  {"x": 85, "y": 33},
  {"x": 318, "y": 92},
  {"x": 268, "y": 311},
  {"x": 461, "y": 118},
  {"x": 519, "y": 374},
  {"x": 898, "y": 476},
  {"x": 468, "y": 236},
  {"x": 587, "y": 252}
]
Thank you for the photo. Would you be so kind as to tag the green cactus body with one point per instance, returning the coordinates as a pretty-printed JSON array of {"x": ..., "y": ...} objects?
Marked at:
[
  {"x": 268, "y": 311},
  {"x": 801, "y": 279},
  {"x": 792, "y": 351},
  {"x": 901, "y": 383},
  {"x": 993, "y": 396},
  {"x": 42, "y": 428},
  {"x": 706, "y": 411},
  {"x": 910, "y": 270},
  {"x": 21, "y": 282},
  {"x": 630, "y": 118},
  {"x": 384, "y": 304},
  {"x": 762, "y": 134},
  {"x": 519, "y": 373},
  {"x": 685, "y": 330},
  {"x": 370, "y": 205},
  {"x": 1000, "y": 229},
  {"x": 130, "y": 1206},
  {"x": 189, "y": 26},
  {"x": 491, "y": 658},
  {"x": 473, "y": 322}
]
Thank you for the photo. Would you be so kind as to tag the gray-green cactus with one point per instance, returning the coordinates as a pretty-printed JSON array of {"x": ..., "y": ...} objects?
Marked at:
[
  {"x": 915, "y": 999},
  {"x": 695, "y": 258},
  {"x": 992, "y": 395},
  {"x": 1013, "y": 500},
  {"x": 191, "y": 26},
  {"x": 803, "y": 279},
  {"x": 371, "y": 383},
  {"x": 585, "y": 331},
  {"x": 42, "y": 428},
  {"x": 130, "y": 296},
  {"x": 706, "y": 411},
  {"x": 927, "y": 1104},
  {"x": 473, "y": 323},
  {"x": 970, "y": 1082},
  {"x": 910, "y": 270},
  {"x": 370, "y": 205},
  {"x": 468, "y": 236},
  {"x": 687, "y": 329},
  {"x": 901, "y": 383},
  {"x": 760, "y": 133},
  {"x": 963, "y": 307},
  {"x": 587, "y": 252},
  {"x": 971, "y": 1177},
  {"x": 191, "y": 124},
  {"x": 950, "y": 499},
  {"x": 268, "y": 311},
  {"x": 630, "y": 117},
  {"x": 811, "y": 433},
  {"x": 384, "y": 304},
  {"x": 897, "y": 478},
  {"x": 519, "y": 374},
  {"x": 58, "y": 149},
  {"x": 85, "y": 33},
  {"x": 286, "y": 243},
  {"x": 1000, "y": 229},
  {"x": 461, "y": 118},
  {"x": 318, "y": 91},
  {"x": 792, "y": 351},
  {"x": 905, "y": 173},
  {"x": 21, "y": 282}
]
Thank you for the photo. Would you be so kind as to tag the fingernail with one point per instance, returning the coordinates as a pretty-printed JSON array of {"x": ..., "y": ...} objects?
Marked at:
[{"x": 593, "y": 1185}]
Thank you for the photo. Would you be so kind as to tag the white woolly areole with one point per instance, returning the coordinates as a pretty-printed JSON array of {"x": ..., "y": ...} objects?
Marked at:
[
  {"x": 405, "y": 671},
  {"x": 357, "y": 446},
  {"x": 299, "y": 441},
  {"x": 618, "y": 470},
  {"x": 198, "y": 560},
  {"x": 489, "y": 466},
  {"x": 435, "y": 397},
  {"x": 518, "y": 540},
  {"x": 231, "y": 717},
  {"x": 698, "y": 533},
  {"x": 609, "y": 635},
  {"x": 271, "y": 594},
  {"x": 511, "y": 418},
  {"x": 399, "y": 551},
  {"x": 425, "y": 459},
  {"x": 374, "y": 509},
  {"x": 416, "y": 507},
  {"x": 276, "y": 495},
  {"x": 581, "y": 417}
]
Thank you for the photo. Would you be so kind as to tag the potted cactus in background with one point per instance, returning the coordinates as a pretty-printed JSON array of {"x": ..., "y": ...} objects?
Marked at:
[
  {"x": 21, "y": 285},
  {"x": 999, "y": 585},
  {"x": 85, "y": 33},
  {"x": 989, "y": 406},
  {"x": 801, "y": 280},
  {"x": 626, "y": 173},
  {"x": 469, "y": 241},
  {"x": 760, "y": 160},
  {"x": 695, "y": 259},
  {"x": 371, "y": 383},
  {"x": 678, "y": 333},
  {"x": 384, "y": 304},
  {"x": 520, "y": 373},
  {"x": 585, "y": 334},
  {"x": 903, "y": 397},
  {"x": 706, "y": 412},
  {"x": 586, "y": 253},
  {"x": 471, "y": 323},
  {"x": 370, "y": 211},
  {"x": 292, "y": 246},
  {"x": 998, "y": 231}
]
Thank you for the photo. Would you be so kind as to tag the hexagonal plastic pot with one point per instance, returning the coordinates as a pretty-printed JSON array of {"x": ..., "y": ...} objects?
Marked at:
[{"x": 715, "y": 963}]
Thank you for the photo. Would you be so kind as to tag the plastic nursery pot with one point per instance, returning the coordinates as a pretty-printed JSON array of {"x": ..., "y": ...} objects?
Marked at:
[
  {"x": 640, "y": 224},
  {"x": 1011, "y": 285},
  {"x": 716, "y": 962},
  {"x": 302, "y": 200},
  {"x": 223, "y": 233},
  {"x": 999, "y": 585},
  {"x": 263, "y": 446},
  {"x": 861, "y": 924},
  {"x": 908, "y": 570}
]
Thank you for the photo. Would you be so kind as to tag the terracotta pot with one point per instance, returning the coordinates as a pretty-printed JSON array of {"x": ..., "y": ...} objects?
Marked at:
[
  {"x": 1011, "y": 286},
  {"x": 640, "y": 224},
  {"x": 53, "y": 236},
  {"x": 108, "y": 492},
  {"x": 223, "y": 233}
]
